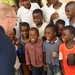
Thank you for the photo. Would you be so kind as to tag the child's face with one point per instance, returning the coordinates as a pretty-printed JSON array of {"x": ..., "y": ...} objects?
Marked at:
[
  {"x": 49, "y": 33},
  {"x": 60, "y": 28},
  {"x": 24, "y": 31},
  {"x": 33, "y": 36},
  {"x": 70, "y": 11},
  {"x": 11, "y": 35},
  {"x": 37, "y": 17},
  {"x": 26, "y": 3},
  {"x": 50, "y": 1},
  {"x": 66, "y": 35},
  {"x": 16, "y": 9}
]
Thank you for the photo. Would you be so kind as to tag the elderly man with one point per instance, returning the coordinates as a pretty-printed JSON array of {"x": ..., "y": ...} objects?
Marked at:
[{"x": 7, "y": 49}]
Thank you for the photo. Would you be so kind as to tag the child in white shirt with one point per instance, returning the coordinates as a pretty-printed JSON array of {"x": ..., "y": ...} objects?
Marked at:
[
  {"x": 38, "y": 21},
  {"x": 25, "y": 11},
  {"x": 46, "y": 11},
  {"x": 57, "y": 11}
]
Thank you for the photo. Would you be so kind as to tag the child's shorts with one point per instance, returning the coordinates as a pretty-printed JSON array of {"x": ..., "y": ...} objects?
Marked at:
[{"x": 53, "y": 69}]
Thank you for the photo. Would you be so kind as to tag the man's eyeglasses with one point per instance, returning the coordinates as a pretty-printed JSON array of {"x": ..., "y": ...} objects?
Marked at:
[{"x": 13, "y": 17}]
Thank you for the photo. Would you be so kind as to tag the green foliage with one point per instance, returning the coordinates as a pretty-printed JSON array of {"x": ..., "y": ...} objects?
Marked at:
[{"x": 11, "y": 2}]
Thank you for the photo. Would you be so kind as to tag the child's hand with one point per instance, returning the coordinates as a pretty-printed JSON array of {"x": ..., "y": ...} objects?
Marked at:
[
  {"x": 63, "y": 71},
  {"x": 45, "y": 67},
  {"x": 71, "y": 59},
  {"x": 17, "y": 42},
  {"x": 55, "y": 54},
  {"x": 54, "y": 16},
  {"x": 30, "y": 67}
]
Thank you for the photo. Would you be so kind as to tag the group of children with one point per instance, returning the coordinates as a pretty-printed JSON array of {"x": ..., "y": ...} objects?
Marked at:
[{"x": 46, "y": 41}]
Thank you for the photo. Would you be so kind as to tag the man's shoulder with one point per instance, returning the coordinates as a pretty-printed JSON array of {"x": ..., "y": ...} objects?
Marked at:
[{"x": 5, "y": 41}]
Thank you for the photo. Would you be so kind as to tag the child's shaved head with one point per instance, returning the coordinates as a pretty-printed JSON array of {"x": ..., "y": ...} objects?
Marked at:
[{"x": 71, "y": 3}]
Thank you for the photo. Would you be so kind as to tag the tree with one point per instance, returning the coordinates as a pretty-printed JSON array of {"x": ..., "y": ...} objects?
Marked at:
[{"x": 11, "y": 2}]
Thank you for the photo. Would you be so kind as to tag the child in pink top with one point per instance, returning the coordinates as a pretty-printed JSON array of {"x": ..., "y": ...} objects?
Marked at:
[{"x": 34, "y": 52}]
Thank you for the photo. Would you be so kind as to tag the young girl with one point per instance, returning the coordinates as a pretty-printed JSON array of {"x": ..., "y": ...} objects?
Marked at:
[
  {"x": 67, "y": 49},
  {"x": 24, "y": 31}
]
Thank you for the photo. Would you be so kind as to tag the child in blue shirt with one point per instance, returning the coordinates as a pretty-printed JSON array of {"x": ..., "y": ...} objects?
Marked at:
[
  {"x": 24, "y": 31},
  {"x": 50, "y": 49}
]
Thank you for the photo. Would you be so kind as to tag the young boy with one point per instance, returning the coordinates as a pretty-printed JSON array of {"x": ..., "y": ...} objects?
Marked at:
[
  {"x": 46, "y": 11},
  {"x": 70, "y": 12},
  {"x": 38, "y": 21},
  {"x": 34, "y": 52},
  {"x": 51, "y": 52},
  {"x": 57, "y": 11},
  {"x": 24, "y": 31},
  {"x": 60, "y": 25},
  {"x": 25, "y": 11},
  {"x": 67, "y": 51}
]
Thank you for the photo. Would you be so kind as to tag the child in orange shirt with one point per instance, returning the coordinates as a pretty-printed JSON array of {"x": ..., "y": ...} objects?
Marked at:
[{"x": 67, "y": 50}]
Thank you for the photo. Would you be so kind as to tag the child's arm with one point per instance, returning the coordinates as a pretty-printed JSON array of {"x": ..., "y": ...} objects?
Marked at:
[
  {"x": 45, "y": 66},
  {"x": 44, "y": 56},
  {"x": 53, "y": 16},
  {"x": 61, "y": 62},
  {"x": 62, "y": 69},
  {"x": 17, "y": 43},
  {"x": 27, "y": 58},
  {"x": 20, "y": 55}
]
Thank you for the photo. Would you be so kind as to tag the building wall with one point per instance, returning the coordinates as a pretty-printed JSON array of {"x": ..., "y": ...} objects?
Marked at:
[
  {"x": 44, "y": 1},
  {"x": 66, "y": 0}
]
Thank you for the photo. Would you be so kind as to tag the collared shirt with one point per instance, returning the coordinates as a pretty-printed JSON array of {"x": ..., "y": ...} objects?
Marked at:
[
  {"x": 67, "y": 23},
  {"x": 25, "y": 15},
  {"x": 7, "y": 54},
  {"x": 34, "y": 54},
  {"x": 48, "y": 11},
  {"x": 22, "y": 43},
  {"x": 49, "y": 48}
]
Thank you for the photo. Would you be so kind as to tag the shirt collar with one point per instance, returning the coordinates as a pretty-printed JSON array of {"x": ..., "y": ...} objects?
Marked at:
[{"x": 53, "y": 42}]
